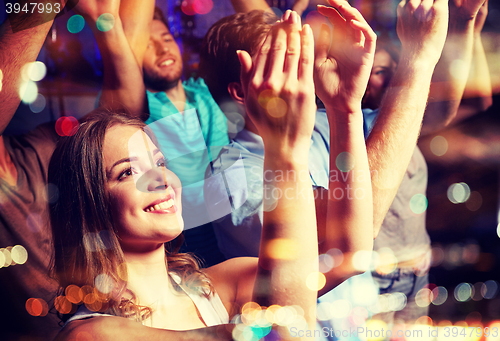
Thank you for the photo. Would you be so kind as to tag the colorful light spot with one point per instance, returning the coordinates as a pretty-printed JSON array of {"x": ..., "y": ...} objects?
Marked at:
[
  {"x": 439, "y": 295},
  {"x": 345, "y": 161},
  {"x": 37, "y": 307},
  {"x": 463, "y": 292},
  {"x": 439, "y": 145},
  {"x": 105, "y": 22},
  {"x": 76, "y": 23},
  {"x": 104, "y": 283},
  {"x": 418, "y": 203},
  {"x": 281, "y": 248},
  {"x": 38, "y": 104},
  {"x": 315, "y": 281},
  {"x": 19, "y": 254},
  {"x": 361, "y": 260},
  {"x": 489, "y": 289},
  {"x": 187, "y": 7},
  {"x": 62, "y": 305},
  {"x": 276, "y": 107},
  {"x": 7, "y": 257},
  {"x": 203, "y": 7},
  {"x": 340, "y": 309},
  {"x": 1, "y": 79},
  {"x": 458, "y": 193},
  {"x": 34, "y": 71},
  {"x": 423, "y": 297},
  {"x": 28, "y": 92},
  {"x": 74, "y": 294},
  {"x": 66, "y": 126}
]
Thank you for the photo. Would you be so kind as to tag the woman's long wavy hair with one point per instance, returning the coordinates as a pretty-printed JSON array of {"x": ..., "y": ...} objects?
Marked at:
[{"x": 87, "y": 247}]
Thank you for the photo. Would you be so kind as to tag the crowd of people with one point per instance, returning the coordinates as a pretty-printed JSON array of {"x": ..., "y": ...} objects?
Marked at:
[{"x": 100, "y": 212}]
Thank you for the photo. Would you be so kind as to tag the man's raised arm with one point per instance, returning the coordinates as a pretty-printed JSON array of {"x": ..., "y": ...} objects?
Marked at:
[
  {"x": 21, "y": 38},
  {"x": 123, "y": 86},
  {"x": 451, "y": 76},
  {"x": 422, "y": 28}
]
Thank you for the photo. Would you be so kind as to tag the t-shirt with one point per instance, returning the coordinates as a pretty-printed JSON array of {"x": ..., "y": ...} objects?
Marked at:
[
  {"x": 189, "y": 141},
  {"x": 24, "y": 227}
]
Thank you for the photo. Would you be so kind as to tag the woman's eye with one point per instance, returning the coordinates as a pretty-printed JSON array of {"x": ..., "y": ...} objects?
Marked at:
[
  {"x": 161, "y": 163},
  {"x": 126, "y": 173}
]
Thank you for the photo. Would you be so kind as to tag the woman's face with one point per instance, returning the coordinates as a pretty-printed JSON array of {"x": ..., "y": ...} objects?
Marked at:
[
  {"x": 145, "y": 197},
  {"x": 383, "y": 69}
]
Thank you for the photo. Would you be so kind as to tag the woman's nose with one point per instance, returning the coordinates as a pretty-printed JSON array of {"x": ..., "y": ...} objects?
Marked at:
[{"x": 153, "y": 180}]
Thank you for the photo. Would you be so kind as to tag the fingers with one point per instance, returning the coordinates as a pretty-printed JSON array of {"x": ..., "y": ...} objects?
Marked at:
[
  {"x": 306, "y": 55},
  {"x": 348, "y": 21},
  {"x": 323, "y": 43},
  {"x": 293, "y": 50}
]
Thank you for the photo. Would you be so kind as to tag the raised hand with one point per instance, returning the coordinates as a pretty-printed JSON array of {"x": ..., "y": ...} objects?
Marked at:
[
  {"x": 344, "y": 58},
  {"x": 93, "y": 9},
  {"x": 467, "y": 9},
  {"x": 278, "y": 85},
  {"x": 481, "y": 17},
  {"x": 422, "y": 27}
]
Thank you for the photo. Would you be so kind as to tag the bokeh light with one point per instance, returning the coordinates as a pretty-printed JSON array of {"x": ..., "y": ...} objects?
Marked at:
[
  {"x": 374, "y": 329},
  {"x": 458, "y": 193},
  {"x": 491, "y": 333},
  {"x": 7, "y": 256},
  {"x": 62, "y": 305},
  {"x": 340, "y": 308},
  {"x": 19, "y": 254},
  {"x": 463, "y": 292},
  {"x": 489, "y": 289},
  {"x": 418, "y": 203},
  {"x": 276, "y": 107},
  {"x": 315, "y": 281},
  {"x": 1, "y": 80},
  {"x": 66, "y": 126},
  {"x": 424, "y": 297},
  {"x": 34, "y": 71},
  {"x": 38, "y": 104},
  {"x": 202, "y": 6},
  {"x": 104, "y": 283},
  {"x": 37, "y": 307},
  {"x": 74, "y": 294},
  {"x": 323, "y": 311},
  {"x": 439, "y": 295},
  {"x": 187, "y": 7},
  {"x": 439, "y": 145},
  {"x": 281, "y": 248},
  {"x": 105, "y": 22},
  {"x": 76, "y": 23},
  {"x": 28, "y": 92},
  {"x": 2, "y": 260},
  {"x": 385, "y": 261},
  {"x": 345, "y": 161},
  {"x": 361, "y": 260},
  {"x": 325, "y": 262}
]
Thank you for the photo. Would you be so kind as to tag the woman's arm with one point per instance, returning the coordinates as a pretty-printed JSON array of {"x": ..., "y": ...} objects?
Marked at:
[{"x": 279, "y": 98}]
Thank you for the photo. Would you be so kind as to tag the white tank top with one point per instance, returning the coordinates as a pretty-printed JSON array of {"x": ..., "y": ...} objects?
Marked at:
[{"x": 211, "y": 309}]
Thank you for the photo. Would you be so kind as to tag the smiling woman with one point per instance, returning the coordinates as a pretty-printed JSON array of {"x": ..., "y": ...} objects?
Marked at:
[{"x": 116, "y": 198}]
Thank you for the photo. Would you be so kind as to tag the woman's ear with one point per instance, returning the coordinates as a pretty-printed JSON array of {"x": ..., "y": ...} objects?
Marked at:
[{"x": 236, "y": 91}]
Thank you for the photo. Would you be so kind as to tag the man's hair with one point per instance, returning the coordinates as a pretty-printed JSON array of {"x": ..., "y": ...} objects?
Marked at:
[
  {"x": 158, "y": 15},
  {"x": 219, "y": 64}
]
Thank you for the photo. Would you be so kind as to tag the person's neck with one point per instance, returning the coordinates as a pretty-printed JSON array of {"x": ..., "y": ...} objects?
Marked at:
[
  {"x": 148, "y": 276},
  {"x": 177, "y": 96},
  {"x": 8, "y": 171}
]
